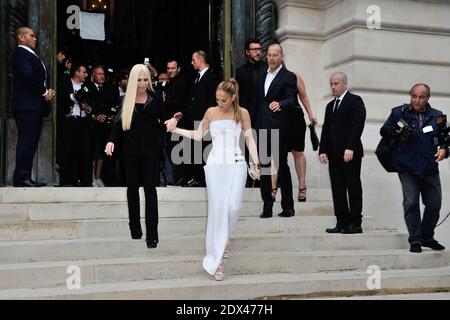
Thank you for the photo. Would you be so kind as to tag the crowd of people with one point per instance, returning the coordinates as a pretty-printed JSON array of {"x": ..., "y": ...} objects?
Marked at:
[{"x": 125, "y": 131}]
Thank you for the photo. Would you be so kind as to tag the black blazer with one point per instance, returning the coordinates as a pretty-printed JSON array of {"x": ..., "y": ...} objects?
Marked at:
[
  {"x": 203, "y": 95},
  {"x": 343, "y": 130},
  {"x": 29, "y": 78},
  {"x": 247, "y": 78},
  {"x": 283, "y": 90},
  {"x": 105, "y": 101},
  {"x": 177, "y": 93},
  {"x": 143, "y": 138}
]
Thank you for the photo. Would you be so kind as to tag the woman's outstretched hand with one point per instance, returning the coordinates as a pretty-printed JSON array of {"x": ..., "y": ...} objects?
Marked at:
[
  {"x": 109, "y": 149},
  {"x": 171, "y": 125}
]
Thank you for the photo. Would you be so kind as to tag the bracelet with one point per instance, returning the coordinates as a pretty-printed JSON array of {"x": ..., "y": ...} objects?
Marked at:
[{"x": 257, "y": 165}]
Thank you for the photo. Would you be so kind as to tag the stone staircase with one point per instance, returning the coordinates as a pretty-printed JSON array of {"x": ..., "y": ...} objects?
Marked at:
[{"x": 45, "y": 231}]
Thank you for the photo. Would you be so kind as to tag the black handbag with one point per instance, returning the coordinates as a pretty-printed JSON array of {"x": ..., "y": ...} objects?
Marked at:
[
  {"x": 314, "y": 138},
  {"x": 384, "y": 153}
]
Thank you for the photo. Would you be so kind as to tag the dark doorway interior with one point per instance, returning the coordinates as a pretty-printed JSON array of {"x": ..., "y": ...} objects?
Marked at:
[{"x": 157, "y": 29}]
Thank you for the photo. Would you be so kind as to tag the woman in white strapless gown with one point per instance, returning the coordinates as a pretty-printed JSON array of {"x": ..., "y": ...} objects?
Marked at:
[{"x": 225, "y": 170}]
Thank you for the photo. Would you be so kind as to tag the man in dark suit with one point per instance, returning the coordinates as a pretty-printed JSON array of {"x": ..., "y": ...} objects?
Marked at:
[
  {"x": 341, "y": 146},
  {"x": 104, "y": 100},
  {"x": 30, "y": 104},
  {"x": 76, "y": 133},
  {"x": 202, "y": 97},
  {"x": 247, "y": 77},
  {"x": 175, "y": 103},
  {"x": 277, "y": 92}
]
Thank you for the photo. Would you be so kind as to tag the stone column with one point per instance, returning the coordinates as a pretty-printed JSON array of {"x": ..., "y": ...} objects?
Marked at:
[{"x": 412, "y": 45}]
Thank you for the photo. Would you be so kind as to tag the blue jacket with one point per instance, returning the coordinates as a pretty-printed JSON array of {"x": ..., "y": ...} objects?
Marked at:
[
  {"x": 29, "y": 78},
  {"x": 417, "y": 154}
]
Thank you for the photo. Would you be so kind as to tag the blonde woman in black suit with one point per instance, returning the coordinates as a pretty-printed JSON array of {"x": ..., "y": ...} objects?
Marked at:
[{"x": 138, "y": 127}]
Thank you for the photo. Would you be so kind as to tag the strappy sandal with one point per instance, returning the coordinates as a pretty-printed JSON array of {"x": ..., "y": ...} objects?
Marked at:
[
  {"x": 302, "y": 194},
  {"x": 220, "y": 272},
  {"x": 227, "y": 251},
  {"x": 274, "y": 193}
]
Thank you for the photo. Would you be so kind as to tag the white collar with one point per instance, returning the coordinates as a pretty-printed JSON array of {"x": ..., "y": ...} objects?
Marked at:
[
  {"x": 27, "y": 48},
  {"x": 202, "y": 72},
  {"x": 276, "y": 71},
  {"x": 342, "y": 95}
]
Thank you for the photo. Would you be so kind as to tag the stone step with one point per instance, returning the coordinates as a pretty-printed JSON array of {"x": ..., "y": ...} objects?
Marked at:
[
  {"x": 169, "y": 194},
  {"x": 105, "y": 228},
  {"x": 84, "y": 249},
  {"x": 53, "y": 274},
  {"x": 119, "y": 210},
  {"x": 240, "y": 286}
]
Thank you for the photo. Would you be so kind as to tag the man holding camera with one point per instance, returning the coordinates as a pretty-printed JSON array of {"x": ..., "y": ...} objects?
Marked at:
[
  {"x": 416, "y": 155},
  {"x": 76, "y": 135}
]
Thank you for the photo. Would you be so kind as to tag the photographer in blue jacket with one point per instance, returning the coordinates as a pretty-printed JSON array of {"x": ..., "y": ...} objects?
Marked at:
[{"x": 415, "y": 129}]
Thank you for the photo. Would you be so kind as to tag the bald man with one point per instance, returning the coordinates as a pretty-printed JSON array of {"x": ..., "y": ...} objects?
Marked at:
[
  {"x": 277, "y": 93},
  {"x": 341, "y": 147},
  {"x": 30, "y": 104},
  {"x": 416, "y": 157}
]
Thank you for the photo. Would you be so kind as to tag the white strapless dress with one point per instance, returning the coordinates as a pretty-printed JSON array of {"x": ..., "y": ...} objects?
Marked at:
[{"x": 225, "y": 174}]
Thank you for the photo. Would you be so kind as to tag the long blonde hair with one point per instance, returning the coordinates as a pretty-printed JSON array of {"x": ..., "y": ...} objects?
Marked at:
[
  {"x": 130, "y": 96},
  {"x": 232, "y": 88}
]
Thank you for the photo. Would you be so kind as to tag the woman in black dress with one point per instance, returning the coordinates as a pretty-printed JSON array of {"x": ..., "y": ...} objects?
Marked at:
[{"x": 297, "y": 130}]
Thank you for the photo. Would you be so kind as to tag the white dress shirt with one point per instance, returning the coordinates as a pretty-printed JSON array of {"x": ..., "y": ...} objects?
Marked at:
[{"x": 269, "y": 79}]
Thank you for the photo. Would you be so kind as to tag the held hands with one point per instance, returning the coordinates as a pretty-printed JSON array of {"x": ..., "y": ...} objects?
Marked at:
[
  {"x": 109, "y": 149},
  {"x": 171, "y": 125},
  {"x": 178, "y": 116}
]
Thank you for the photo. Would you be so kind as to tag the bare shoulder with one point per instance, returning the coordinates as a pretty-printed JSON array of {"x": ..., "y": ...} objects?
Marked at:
[
  {"x": 210, "y": 113},
  {"x": 244, "y": 112}
]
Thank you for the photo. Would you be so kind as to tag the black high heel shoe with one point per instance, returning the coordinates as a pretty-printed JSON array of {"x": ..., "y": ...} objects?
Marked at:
[{"x": 151, "y": 244}]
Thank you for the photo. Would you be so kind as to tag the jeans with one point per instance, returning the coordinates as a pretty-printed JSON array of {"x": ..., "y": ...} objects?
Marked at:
[{"x": 429, "y": 187}]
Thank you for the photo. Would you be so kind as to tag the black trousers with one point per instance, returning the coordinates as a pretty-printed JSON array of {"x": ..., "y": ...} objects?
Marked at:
[
  {"x": 346, "y": 182},
  {"x": 278, "y": 151},
  {"x": 141, "y": 171},
  {"x": 29, "y": 125},
  {"x": 76, "y": 153}
]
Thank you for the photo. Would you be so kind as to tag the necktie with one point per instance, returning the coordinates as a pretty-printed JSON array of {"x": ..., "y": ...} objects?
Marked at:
[
  {"x": 336, "y": 105},
  {"x": 99, "y": 88},
  {"x": 198, "y": 78}
]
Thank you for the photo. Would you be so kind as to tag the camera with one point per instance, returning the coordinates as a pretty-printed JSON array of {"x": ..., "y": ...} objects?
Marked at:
[
  {"x": 111, "y": 115},
  {"x": 161, "y": 86},
  {"x": 146, "y": 61},
  {"x": 82, "y": 95},
  {"x": 442, "y": 136},
  {"x": 404, "y": 129}
]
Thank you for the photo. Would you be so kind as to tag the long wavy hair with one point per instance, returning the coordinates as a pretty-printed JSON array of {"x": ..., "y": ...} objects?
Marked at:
[
  {"x": 231, "y": 87},
  {"x": 130, "y": 96}
]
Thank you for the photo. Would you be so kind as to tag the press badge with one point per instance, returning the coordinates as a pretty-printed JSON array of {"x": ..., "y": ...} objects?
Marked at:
[{"x": 427, "y": 129}]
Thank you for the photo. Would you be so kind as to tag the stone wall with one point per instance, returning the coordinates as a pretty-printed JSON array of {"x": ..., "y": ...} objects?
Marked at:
[{"x": 413, "y": 45}]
